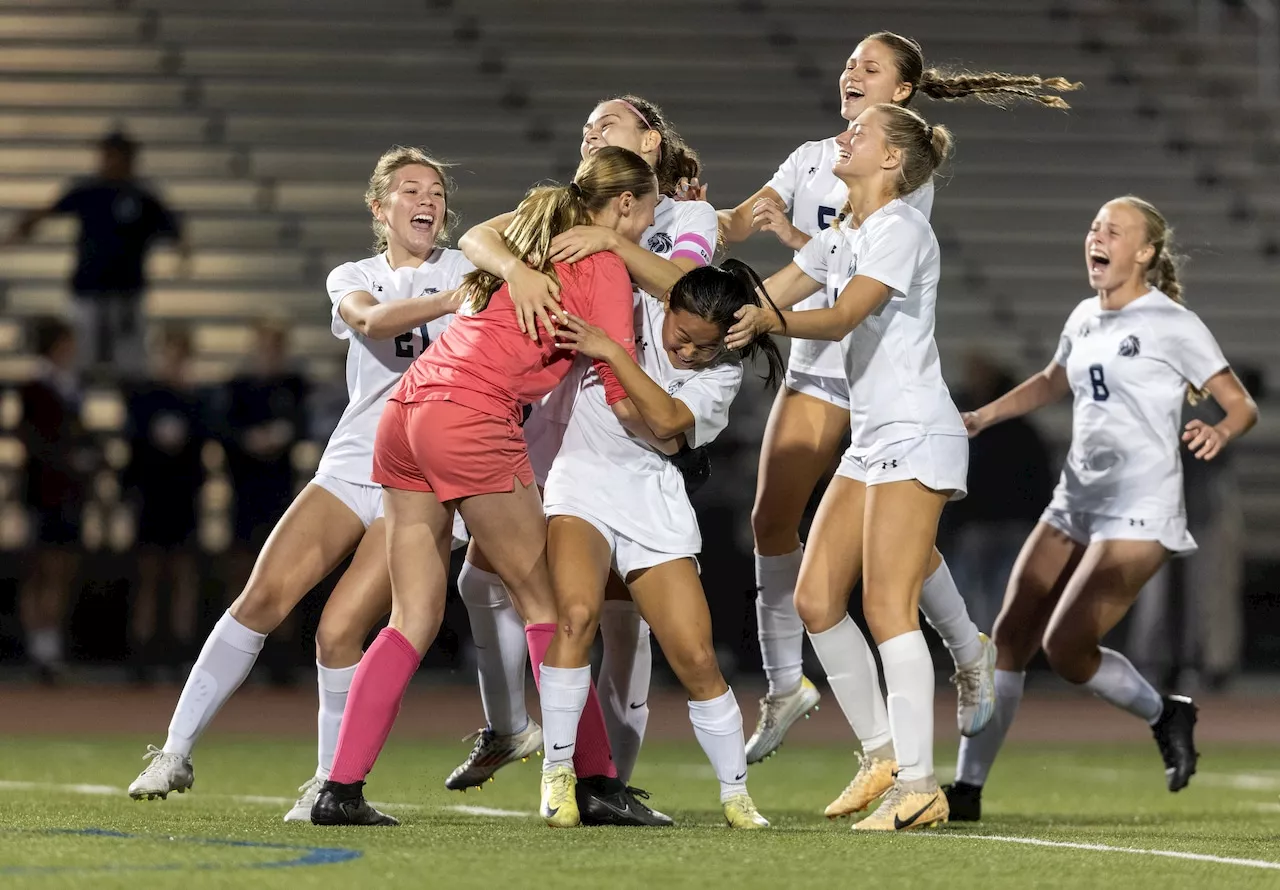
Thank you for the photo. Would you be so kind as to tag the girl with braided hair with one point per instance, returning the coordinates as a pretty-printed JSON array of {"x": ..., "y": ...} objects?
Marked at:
[
  {"x": 1128, "y": 356},
  {"x": 810, "y": 415}
]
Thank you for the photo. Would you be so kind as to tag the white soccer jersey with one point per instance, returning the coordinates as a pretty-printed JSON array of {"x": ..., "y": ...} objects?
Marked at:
[
  {"x": 1129, "y": 369},
  {"x": 374, "y": 367},
  {"x": 620, "y": 480},
  {"x": 896, "y": 390},
  {"x": 681, "y": 229},
  {"x": 814, "y": 197}
]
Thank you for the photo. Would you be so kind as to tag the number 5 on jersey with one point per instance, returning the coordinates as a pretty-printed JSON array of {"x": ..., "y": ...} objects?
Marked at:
[
  {"x": 1099, "y": 381},
  {"x": 404, "y": 343}
]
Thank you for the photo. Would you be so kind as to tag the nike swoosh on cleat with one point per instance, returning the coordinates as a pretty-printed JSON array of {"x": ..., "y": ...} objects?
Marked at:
[
  {"x": 562, "y": 747},
  {"x": 549, "y": 812},
  {"x": 898, "y": 824},
  {"x": 636, "y": 707}
]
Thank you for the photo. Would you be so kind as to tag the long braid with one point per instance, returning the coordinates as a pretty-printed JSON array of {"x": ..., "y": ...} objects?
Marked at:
[{"x": 995, "y": 88}]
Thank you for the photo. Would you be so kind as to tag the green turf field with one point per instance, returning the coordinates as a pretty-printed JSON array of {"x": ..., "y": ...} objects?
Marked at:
[{"x": 62, "y": 825}]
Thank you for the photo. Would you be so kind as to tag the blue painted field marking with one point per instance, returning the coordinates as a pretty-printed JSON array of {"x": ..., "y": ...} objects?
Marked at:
[{"x": 309, "y": 855}]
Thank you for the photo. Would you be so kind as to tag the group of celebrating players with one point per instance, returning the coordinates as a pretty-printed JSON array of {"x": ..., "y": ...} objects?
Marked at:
[{"x": 597, "y": 304}]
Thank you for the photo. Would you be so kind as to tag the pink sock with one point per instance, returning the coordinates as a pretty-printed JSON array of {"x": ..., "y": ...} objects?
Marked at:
[
  {"x": 372, "y": 705},
  {"x": 592, "y": 755}
]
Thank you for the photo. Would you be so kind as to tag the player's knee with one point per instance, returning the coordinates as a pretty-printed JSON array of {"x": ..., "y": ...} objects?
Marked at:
[
  {"x": 579, "y": 622},
  {"x": 700, "y": 671},
  {"x": 888, "y": 616},
  {"x": 338, "y": 642},
  {"x": 1068, "y": 655},
  {"x": 773, "y": 531},
  {"x": 815, "y": 609},
  {"x": 262, "y": 605}
]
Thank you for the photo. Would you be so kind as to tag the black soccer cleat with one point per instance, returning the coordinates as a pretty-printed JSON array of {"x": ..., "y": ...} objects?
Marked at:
[
  {"x": 606, "y": 801},
  {"x": 1175, "y": 734},
  {"x": 965, "y": 801},
  {"x": 339, "y": 804}
]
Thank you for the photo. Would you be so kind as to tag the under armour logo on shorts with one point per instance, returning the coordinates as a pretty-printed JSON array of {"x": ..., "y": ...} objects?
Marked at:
[{"x": 888, "y": 465}]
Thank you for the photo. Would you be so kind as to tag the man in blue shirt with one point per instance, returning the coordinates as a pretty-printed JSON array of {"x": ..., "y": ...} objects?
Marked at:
[{"x": 120, "y": 219}]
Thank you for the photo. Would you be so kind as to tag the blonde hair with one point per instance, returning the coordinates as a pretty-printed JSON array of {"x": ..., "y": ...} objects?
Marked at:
[
  {"x": 548, "y": 210},
  {"x": 1162, "y": 272},
  {"x": 923, "y": 148},
  {"x": 384, "y": 174},
  {"x": 991, "y": 87}
]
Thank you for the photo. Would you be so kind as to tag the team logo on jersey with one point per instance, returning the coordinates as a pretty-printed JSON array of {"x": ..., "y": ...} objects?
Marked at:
[
  {"x": 1129, "y": 346},
  {"x": 660, "y": 242},
  {"x": 674, "y": 387},
  {"x": 1084, "y": 330},
  {"x": 428, "y": 291}
]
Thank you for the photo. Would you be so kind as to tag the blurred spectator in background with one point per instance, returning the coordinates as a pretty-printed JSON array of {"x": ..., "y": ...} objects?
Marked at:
[
  {"x": 119, "y": 219},
  {"x": 1010, "y": 481},
  {"x": 1188, "y": 624},
  {"x": 60, "y": 459},
  {"x": 263, "y": 417},
  {"x": 167, "y": 431}
]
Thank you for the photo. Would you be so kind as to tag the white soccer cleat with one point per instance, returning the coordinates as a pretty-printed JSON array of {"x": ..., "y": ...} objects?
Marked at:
[
  {"x": 166, "y": 772},
  {"x": 976, "y": 687},
  {"x": 491, "y": 753},
  {"x": 777, "y": 716},
  {"x": 308, "y": 790}
]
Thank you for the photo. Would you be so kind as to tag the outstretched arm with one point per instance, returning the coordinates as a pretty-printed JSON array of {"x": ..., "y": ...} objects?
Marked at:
[
  {"x": 1035, "y": 392},
  {"x": 382, "y": 321}
]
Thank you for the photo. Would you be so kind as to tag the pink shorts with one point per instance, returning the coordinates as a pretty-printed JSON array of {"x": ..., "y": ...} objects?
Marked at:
[{"x": 449, "y": 449}]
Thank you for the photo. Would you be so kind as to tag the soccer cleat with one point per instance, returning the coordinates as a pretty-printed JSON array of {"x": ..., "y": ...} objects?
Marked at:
[
  {"x": 301, "y": 811},
  {"x": 605, "y": 801},
  {"x": 166, "y": 772},
  {"x": 559, "y": 799},
  {"x": 964, "y": 801},
  {"x": 976, "y": 686},
  {"x": 777, "y": 716},
  {"x": 874, "y": 778},
  {"x": 344, "y": 804},
  {"x": 491, "y": 753},
  {"x": 903, "y": 810},
  {"x": 740, "y": 812},
  {"x": 1175, "y": 734}
]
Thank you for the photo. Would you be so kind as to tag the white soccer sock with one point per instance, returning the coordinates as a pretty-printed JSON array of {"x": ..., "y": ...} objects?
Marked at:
[
  {"x": 44, "y": 647},
  {"x": 779, "y": 626},
  {"x": 334, "y": 684},
  {"x": 718, "y": 726},
  {"x": 564, "y": 695},
  {"x": 1119, "y": 683},
  {"x": 978, "y": 753},
  {"x": 945, "y": 610},
  {"x": 224, "y": 663},
  {"x": 908, "y": 674},
  {"x": 851, "y": 674},
  {"x": 501, "y": 649},
  {"x": 624, "y": 681}
]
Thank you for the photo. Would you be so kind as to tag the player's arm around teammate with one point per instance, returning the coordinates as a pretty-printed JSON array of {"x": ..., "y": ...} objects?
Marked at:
[
  {"x": 809, "y": 417},
  {"x": 340, "y": 510},
  {"x": 1128, "y": 356},
  {"x": 681, "y": 238},
  {"x": 617, "y": 505},
  {"x": 908, "y": 457},
  {"x": 449, "y": 441}
]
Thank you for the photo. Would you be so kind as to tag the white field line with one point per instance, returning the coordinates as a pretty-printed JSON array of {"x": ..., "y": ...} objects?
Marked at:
[
  {"x": 487, "y": 811},
  {"x": 1106, "y": 848},
  {"x": 111, "y": 791}
]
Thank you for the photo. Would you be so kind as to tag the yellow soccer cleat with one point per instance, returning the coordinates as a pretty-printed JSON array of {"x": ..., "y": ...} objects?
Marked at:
[
  {"x": 874, "y": 778},
  {"x": 777, "y": 715},
  {"x": 559, "y": 798},
  {"x": 740, "y": 812},
  {"x": 903, "y": 810}
]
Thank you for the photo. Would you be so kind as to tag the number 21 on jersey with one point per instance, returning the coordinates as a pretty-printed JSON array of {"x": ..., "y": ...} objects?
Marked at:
[{"x": 404, "y": 343}]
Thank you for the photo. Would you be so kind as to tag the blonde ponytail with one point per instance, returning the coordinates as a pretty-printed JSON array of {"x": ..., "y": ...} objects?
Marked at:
[{"x": 548, "y": 210}]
